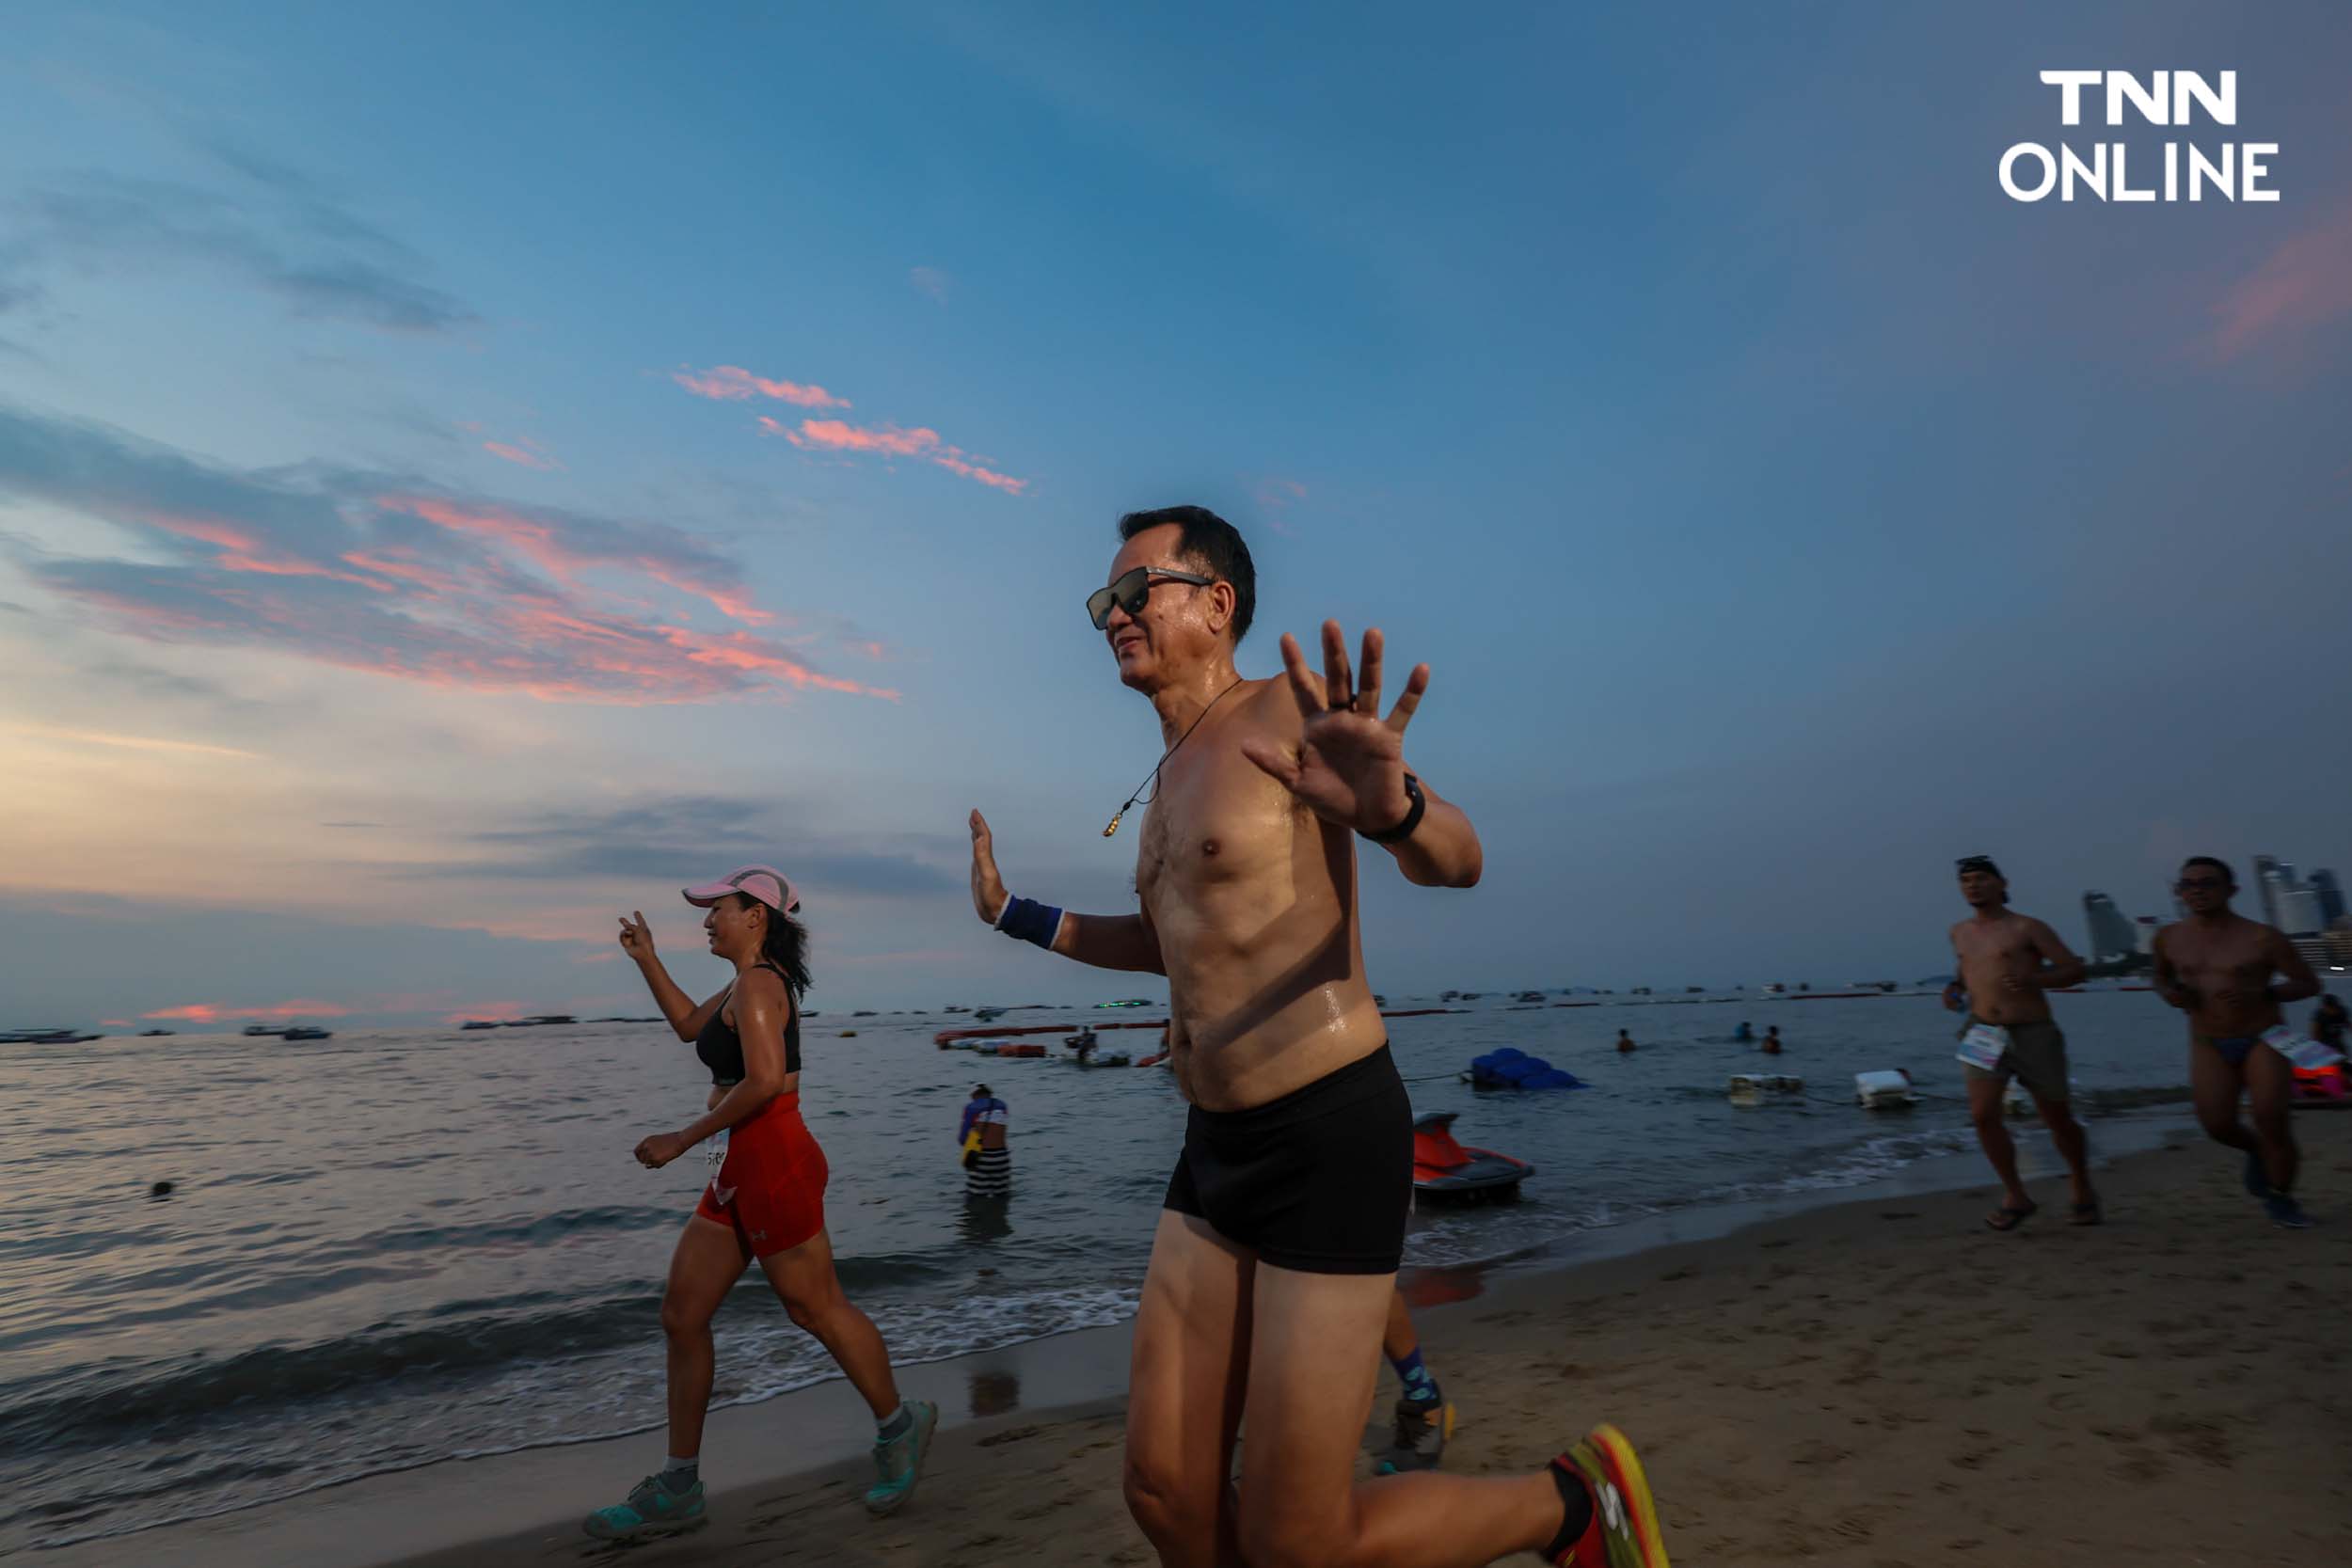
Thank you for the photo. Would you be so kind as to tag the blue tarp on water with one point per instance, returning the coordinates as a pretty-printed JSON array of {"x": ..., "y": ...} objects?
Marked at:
[{"x": 1513, "y": 1068}]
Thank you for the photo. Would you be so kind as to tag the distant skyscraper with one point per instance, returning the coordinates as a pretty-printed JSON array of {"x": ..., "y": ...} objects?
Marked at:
[
  {"x": 2111, "y": 935},
  {"x": 2330, "y": 896},
  {"x": 2271, "y": 878},
  {"x": 2298, "y": 913}
]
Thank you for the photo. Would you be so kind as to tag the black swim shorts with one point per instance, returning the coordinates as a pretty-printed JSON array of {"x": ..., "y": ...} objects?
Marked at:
[{"x": 1318, "y": 1181}]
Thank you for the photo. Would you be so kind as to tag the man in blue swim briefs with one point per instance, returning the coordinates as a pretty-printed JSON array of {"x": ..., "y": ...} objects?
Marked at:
[
  {"x": 1274, "y": 1262},
  {"x": 2216, "y": 967}
]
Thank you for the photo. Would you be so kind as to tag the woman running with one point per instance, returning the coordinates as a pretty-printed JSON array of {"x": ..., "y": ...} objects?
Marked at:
[{"x": 765, "y": 1200}]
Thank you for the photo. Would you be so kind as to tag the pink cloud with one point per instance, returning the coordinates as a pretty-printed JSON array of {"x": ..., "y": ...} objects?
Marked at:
[
  {"x": 526, "y": 454},
  {"x": 734, "y": 383},
  {"x": 563, "y": 557},
  {"x": 2304, "y": 283},
  {"x": 921, "y": 443},
  {"x": 210, "y": 1012},
  {"x": 485, "y": 1009}
]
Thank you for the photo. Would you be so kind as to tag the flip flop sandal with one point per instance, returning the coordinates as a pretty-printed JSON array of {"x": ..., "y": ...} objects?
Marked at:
[{"x": 2006, "y": 1217}]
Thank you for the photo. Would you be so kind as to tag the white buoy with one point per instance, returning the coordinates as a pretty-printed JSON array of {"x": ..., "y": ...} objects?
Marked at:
[{"x": 1878, "y": 1092}]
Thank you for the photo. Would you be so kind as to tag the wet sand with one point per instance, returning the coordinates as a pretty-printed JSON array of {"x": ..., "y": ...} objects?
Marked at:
[{"x": 1877, "y": 1383}]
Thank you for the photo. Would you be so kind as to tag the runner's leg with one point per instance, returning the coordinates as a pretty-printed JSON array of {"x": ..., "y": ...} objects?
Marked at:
[
  {"x": 1984, "y": 1110},
  {"x": 1311, "y": 1373},
  {"x": 2270, "y": 1089},
  {"x": 2072, "y": 1147},
  {"x": 1184, "y": 1392},
  {"x": 709, "y": 1260},
  {"x": 2215, "y": 1085},
  {"x": 806, "y": 1282}
]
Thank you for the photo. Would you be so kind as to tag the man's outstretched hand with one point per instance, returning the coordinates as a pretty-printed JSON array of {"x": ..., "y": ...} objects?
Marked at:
[
  {"x": 988, "y": 888},
  {"x": 1349, "y": 768}
]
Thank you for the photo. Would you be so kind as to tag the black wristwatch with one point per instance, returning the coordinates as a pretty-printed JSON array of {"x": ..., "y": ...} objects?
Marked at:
[{"x": 1404, "y": 830}]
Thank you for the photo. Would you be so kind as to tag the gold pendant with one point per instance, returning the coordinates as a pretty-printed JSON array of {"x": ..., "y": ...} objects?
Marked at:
[{"x": 1114, "y": 824}]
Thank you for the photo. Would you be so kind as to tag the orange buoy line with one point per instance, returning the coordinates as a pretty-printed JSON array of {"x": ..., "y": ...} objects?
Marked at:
[{"x": 945, "y": 1036}]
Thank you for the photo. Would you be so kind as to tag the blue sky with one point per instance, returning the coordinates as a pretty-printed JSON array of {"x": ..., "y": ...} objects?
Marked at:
[{"x": 402, "y": 579}]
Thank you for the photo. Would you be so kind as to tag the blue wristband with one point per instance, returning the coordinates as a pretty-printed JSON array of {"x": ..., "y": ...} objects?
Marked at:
[{"x": 1027, "y": 920}]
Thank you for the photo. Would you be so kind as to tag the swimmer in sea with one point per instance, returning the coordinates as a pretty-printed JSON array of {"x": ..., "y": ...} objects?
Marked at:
[
  {"x": 2216, "y": 967},
  {"x": 765, "y": 1200}
]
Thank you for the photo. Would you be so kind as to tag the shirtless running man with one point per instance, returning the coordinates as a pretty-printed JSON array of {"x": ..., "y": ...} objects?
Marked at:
[
  {"x": 2215, "y": 966},
  {"x": 1275, "y": 1254},
  {"x": 2007, "y": 961}
]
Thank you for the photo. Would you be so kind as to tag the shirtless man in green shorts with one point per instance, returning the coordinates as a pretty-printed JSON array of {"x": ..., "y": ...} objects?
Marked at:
[
  {"x": 2215, "y": 966},
  {"x": 1277, "y": 1249},
  {"x": 2007, "y": 961}
]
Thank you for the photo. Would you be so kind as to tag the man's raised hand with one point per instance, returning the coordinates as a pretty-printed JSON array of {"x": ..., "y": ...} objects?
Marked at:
[
  {"x": 988, "y": 888},
  {"x": 1349, "y": 768}
]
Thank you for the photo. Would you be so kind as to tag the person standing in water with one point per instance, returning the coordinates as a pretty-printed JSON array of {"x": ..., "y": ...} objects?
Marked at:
[
  {"x": 765, "y": 1200},
  {"x": 987, "y": 1162},
  {"x": 2007, "y": 962},
  {"x": 1771, "y": 1040},
  {"x": 1277, "y": 1244},
  {"x": 1625, "y": 1042},
  {"x": 2216, "y": 967}
]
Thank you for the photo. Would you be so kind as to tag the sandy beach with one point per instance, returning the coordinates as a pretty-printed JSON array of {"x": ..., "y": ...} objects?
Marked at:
[{"x": 1877, "y": 1384}]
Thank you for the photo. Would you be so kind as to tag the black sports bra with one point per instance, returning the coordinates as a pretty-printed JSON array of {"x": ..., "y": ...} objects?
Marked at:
[{"x": 721, "y": 1048}]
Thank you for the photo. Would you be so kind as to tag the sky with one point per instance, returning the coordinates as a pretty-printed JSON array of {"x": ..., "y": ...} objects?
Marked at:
[{"x": 466, "y": 473}]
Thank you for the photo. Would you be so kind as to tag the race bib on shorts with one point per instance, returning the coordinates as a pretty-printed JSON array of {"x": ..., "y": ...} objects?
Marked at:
[
  {"x": 718, "y": 1153},
  {"x": 2303, "y": 1051},
  {"x": 1983, "y": 1046}
]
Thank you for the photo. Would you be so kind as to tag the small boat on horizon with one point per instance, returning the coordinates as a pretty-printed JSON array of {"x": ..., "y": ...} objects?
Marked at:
[
  {"x": 304, "y": 1032},
  {"x": 46, "y": 1036},
  {"x": 537, "y": 1020},
  {"x": 151, "y": 1034},
  {"x": 479, "y": 1023},
  {"x": 262, "y": 1031}
]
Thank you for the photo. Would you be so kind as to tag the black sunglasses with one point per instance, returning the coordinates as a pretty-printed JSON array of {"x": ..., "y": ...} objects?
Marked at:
[{"x": 1132, "y": 589}]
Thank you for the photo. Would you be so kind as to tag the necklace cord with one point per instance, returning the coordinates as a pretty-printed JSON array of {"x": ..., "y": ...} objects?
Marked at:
[{"x": 1151, "y": 779}]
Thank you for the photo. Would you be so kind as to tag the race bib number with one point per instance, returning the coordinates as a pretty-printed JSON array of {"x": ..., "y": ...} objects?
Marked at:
[
  {"x": 2303, "y": 1051},
  {"x": 717, "y": 1154},
  {"x": 1983, "y": 1046}
]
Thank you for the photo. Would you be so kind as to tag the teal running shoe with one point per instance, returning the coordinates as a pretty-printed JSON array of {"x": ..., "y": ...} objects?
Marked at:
[
  {"x": 2287, "y": 1213},
  {"x": 898, "y": 1462},
  {"x": 652, "y": 1510}
]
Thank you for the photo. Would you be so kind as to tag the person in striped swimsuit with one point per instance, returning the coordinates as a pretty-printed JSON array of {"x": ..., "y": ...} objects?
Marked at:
[{"x": 987, "y": 1164}]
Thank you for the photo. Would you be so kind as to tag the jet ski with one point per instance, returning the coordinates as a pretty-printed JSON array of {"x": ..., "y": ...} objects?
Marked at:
[{"x": 1443, "y": 1168}]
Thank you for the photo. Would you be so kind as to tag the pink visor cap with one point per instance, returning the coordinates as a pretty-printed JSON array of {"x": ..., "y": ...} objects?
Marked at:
[{"x": 763, "y": 882}]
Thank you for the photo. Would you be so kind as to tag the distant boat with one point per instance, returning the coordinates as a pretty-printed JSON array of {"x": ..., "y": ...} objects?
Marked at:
[
  {"x": 260, "y": 1030},
  {"x": 303, "y": 1033},
  {"x": 539, "y": 1018},
  {"x": 45, "y": 1036},
  {"x": 151, "y": 1034},
  {"x": 480, "y": 1023},
  {"x": 1529, "y": 996},
  {"x": 987, "y": 1015},
  {"x": 863, "y": 1012}
]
